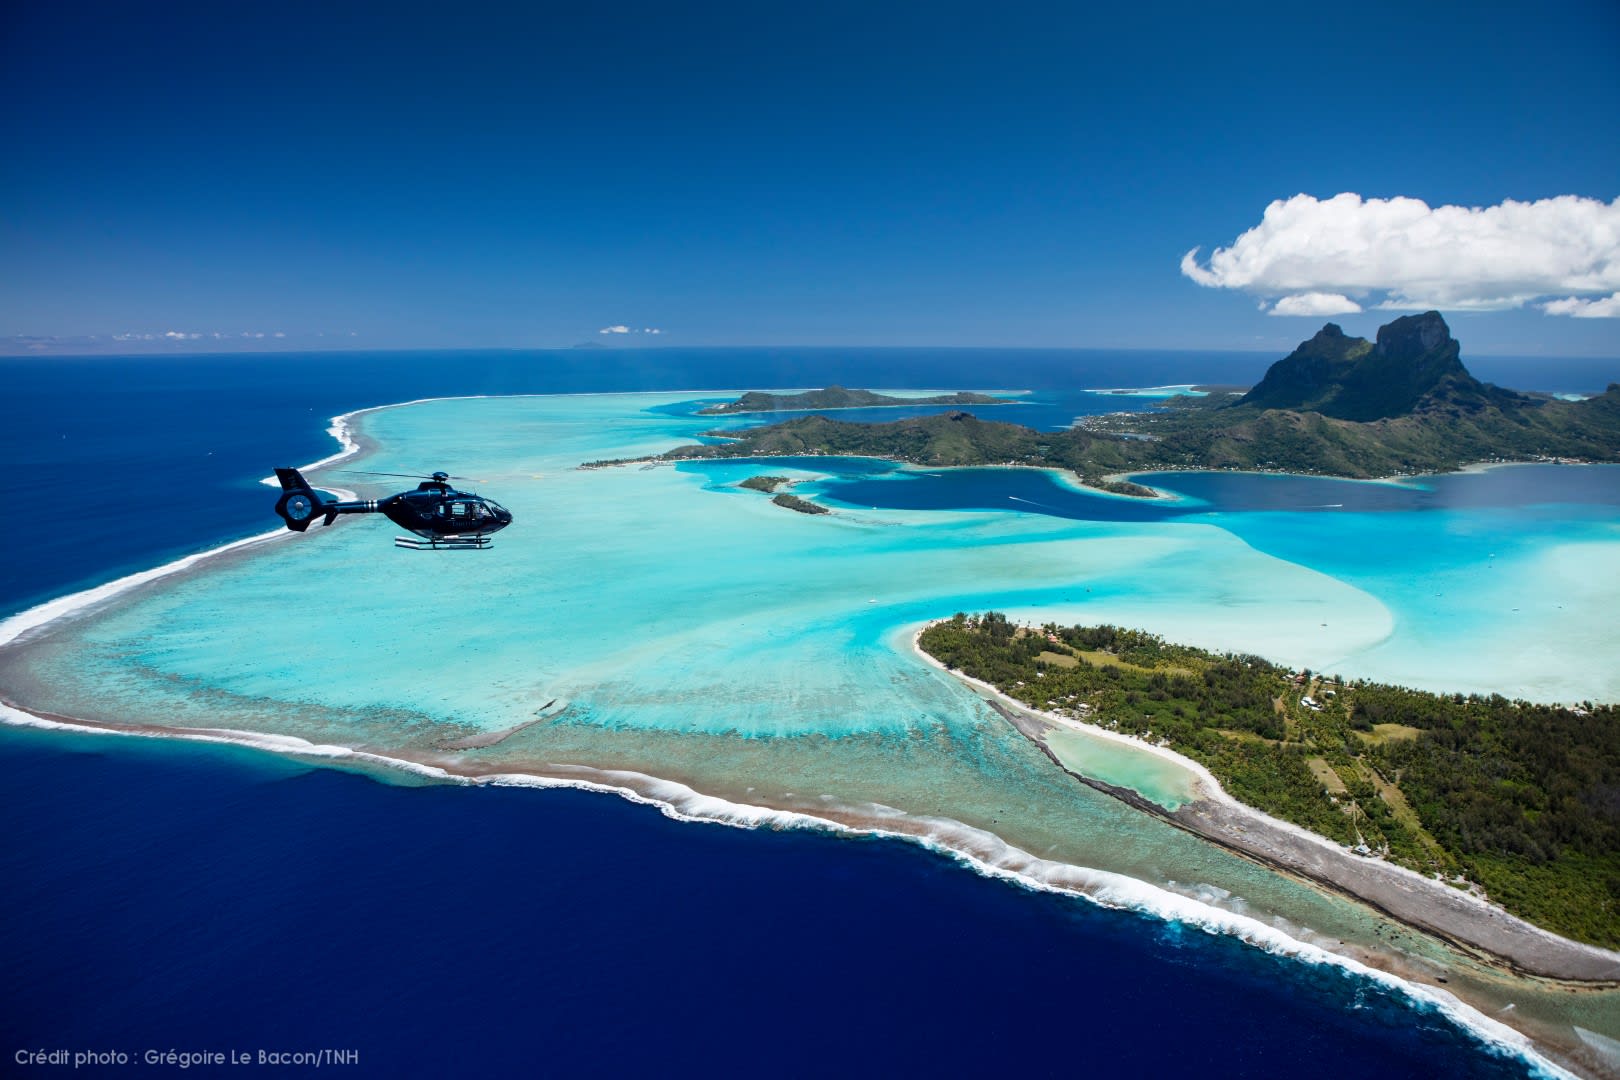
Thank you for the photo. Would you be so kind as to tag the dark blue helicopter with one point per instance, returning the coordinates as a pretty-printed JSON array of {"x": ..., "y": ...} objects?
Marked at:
[{"x": 436, "y": 512}]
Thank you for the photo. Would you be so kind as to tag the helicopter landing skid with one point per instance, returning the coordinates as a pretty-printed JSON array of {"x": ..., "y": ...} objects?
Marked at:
[{"x": 438, "y": 543}]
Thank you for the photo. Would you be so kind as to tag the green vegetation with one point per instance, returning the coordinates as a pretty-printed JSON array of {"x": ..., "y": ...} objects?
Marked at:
[
  {"x": 1522, "y": 799},
  {"x": 803, "y": 506},
  {"x": 1336, "y": 406},
  {"x": 1125, "y": 487},
  {"x": 837, "y": 397},
  {"x": 766, "y": 484}
]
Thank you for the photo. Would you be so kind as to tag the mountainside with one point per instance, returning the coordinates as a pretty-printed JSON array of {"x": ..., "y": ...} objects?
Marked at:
[
  {"x": 1415, "y": 366},
  {"x": 1336, "y": 406},
  {"x": 1311, "y": 374},
  {"x": 955, "y": 438}
]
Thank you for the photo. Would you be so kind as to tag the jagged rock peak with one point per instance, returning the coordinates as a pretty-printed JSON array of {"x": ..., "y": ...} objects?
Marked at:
[
  {"x": 1415, "y": 364},
  {"x": 1413, "y": 335}
]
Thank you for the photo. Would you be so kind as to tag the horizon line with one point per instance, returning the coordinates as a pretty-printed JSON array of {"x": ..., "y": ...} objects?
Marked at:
[{"x": 9, "y": 351}]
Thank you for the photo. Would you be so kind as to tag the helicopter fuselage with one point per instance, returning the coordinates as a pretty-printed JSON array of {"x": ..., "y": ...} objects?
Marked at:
[
  {"x": 437, "y": 509},
  {"x": 434, "y": 511}
]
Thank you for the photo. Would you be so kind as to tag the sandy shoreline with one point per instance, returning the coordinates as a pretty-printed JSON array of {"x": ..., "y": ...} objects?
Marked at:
[{"x": 1433, "y": 907}]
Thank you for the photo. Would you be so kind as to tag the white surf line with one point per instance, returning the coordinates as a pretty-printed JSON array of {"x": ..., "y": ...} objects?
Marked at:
[
  {"x": 1110, "y": 890},
  {"x": 980, "y": 851},
  {"x": 342, "y": 429},
  {"x": 35, "y": 617},
  {"x": 1138, "y": 389},
  {"x": 30, "y": 619}
]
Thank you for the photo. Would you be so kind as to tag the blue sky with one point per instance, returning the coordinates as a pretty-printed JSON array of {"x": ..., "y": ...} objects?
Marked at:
[{"x": 764, "y": 173}]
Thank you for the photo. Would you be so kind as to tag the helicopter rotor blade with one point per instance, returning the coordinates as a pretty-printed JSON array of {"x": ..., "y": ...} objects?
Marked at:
[{"x": 404, "y": 476}]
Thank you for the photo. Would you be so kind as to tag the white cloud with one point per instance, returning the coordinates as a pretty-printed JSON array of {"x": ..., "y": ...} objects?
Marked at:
[
  {"x": 1607, "y": 307},
  {"x": 176, "y": 335},
  {"x": 652, "y": 330},
  {"x": 1315, "y": 303},
  {"x": 1403, "y": 254},
  {"x": 614, "y": 330}
]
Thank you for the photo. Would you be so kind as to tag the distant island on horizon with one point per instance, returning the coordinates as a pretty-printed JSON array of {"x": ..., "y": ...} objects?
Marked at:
[
  {"x": 1336, "y": 406},
  {"x": 838, "y": 397}
]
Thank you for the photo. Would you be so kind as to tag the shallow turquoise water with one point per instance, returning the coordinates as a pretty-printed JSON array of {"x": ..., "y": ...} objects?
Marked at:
[
  {"x": 663, "y": 621},
  {"x": 662, "y": 599},
  {"x": 1165, "y": 782}
]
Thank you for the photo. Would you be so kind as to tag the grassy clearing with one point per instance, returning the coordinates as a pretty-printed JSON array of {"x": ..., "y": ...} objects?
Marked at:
[
  {"x": 1324, "y": 773},
  {"x": 1386, "y": 733}
]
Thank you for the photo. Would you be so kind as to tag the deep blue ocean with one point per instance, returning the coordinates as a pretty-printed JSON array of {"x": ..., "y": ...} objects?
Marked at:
[{"x": 161, "y": 895}]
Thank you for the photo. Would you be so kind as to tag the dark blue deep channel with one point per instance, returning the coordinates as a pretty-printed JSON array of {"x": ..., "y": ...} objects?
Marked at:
[
  {"x": 160, "y": 895},
  {"x": 169, "y": 895}
]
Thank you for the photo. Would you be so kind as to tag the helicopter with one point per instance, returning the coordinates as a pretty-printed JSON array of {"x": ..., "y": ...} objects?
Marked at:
[{"x": 439, "y": 515}]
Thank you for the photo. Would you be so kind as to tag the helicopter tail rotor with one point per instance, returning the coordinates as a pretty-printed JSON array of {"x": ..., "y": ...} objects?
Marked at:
[{"x": 299, "y": 505}]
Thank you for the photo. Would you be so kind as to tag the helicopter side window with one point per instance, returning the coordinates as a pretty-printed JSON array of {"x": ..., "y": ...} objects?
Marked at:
[{"x": 459, "y": 510}]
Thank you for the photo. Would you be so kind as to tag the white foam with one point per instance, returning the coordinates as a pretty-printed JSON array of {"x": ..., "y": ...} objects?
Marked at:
[
  {"x": 979, "y": 850},
  {"x": 15, "y": 626},
  {"x": 989, "y": 855},
  {"x": 1169, "y": 390},
  {"x": 63, "y": 606},
  {"x": 1107, "y": 889}
]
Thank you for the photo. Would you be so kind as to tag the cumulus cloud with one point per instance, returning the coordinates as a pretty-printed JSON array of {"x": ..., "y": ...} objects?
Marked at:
[
  {"x": 614, "y": 330},
  {"x": 1314, "y": 303},
  {"x": 178, "y": 335},
  {"x": 1607, "y": 307},
  {"x": 1402, "y": 253}
]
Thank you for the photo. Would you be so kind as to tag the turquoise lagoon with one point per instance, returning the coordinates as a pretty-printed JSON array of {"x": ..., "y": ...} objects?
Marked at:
[{"x": 660, "y": 630}]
